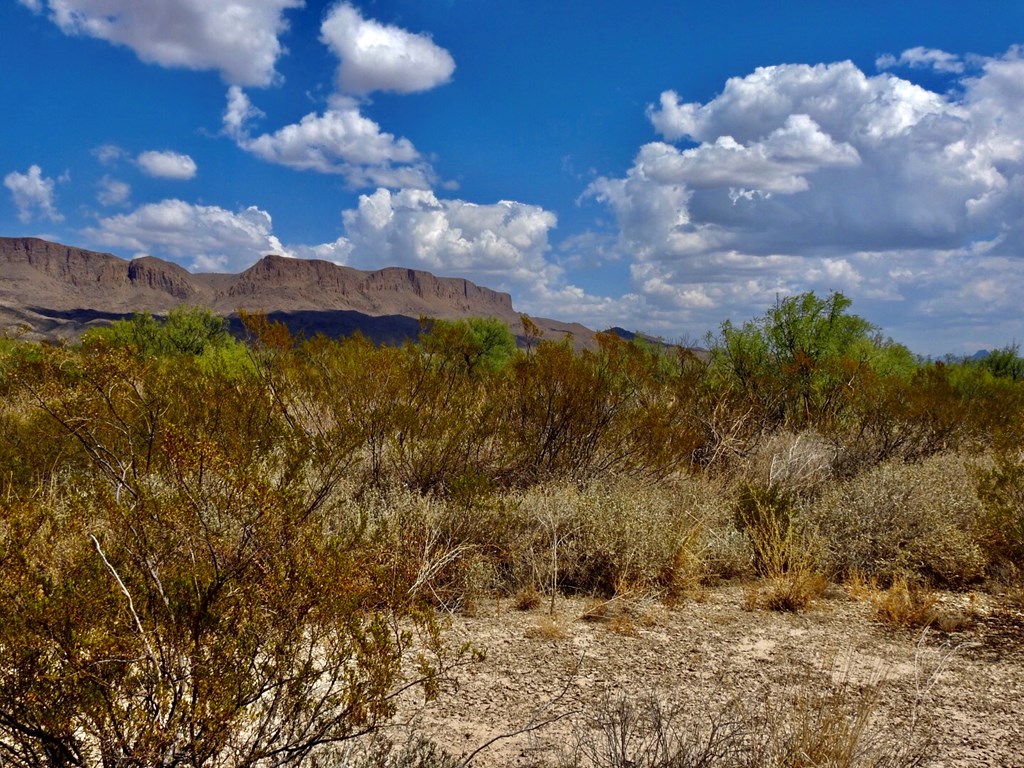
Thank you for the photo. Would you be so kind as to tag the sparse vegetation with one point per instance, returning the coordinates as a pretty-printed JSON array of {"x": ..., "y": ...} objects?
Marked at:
[
  {"x": 812, "y": 725},
  {"x": 213, "y": 551}
]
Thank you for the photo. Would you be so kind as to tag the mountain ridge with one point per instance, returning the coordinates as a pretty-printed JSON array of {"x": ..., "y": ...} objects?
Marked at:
[{"x": 51, "y": 290}]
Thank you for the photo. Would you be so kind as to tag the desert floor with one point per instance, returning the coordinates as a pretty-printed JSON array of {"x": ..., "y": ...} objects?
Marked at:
[{"x": 959, "y": 691}]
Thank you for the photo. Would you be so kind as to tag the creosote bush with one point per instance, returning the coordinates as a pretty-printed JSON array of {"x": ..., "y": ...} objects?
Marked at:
[{"x": 184, "y": 586}]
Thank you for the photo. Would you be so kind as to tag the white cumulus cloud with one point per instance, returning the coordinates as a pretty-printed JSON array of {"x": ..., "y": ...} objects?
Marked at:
[
  {"x": 503, "y": 245},
  {"x": 238, "y": 38},
  {"x": 497, "y": 245},
  {"x": 339, "y": 141},
  {"x": 817, "y": 177},
  {"x": 112, "y": 191},
  {"x": 167, "y": 165},
  {"x": 380, "y": 57},
  {"x": 204, "y": 237},
  {"x": 33, "y": 194},
  {"x": 923, "y": 58}
]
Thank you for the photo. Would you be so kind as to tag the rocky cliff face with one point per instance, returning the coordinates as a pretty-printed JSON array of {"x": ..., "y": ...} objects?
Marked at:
[
  {"x": 59, "y": 285},
  {"x": 292, "y": 283},
  {"x": 153, "y": 274},
  {"x": 38, "y": 273},
  {"x": 27, "y": 257}
]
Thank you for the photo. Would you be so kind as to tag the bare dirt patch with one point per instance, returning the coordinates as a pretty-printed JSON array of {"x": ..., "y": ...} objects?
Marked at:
[{"x": 962, "y": 691}]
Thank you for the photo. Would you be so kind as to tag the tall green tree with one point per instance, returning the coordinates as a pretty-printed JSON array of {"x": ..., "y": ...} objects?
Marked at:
[{"x": 798, "y": 358}]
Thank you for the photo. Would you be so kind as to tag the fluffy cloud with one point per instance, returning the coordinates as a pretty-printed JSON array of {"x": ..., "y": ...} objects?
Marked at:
[
  {"x": 498, "y": 245},
  {"x": 801, "y": 177},
  {"x": 239, "y": 39},
  {"x": 204, "y": 237},
  {"x": 780, "y": 162},
  {"x": 923, "y": 58},
  {"x": 167, "y": 165},
  {"x": 108, "y": 154},
  {"x": 339, "y": 141},
  {"x": 33, "y": 194},
  {"x": 379, "y": 57},
  {"x": 238, "y": 113},
  {"x": 112, "y": 191},
  {"x": 503, "y": 245}
]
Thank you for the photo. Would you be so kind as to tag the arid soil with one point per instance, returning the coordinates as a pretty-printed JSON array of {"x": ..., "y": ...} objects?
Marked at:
[{"x": 962, "y": 691}]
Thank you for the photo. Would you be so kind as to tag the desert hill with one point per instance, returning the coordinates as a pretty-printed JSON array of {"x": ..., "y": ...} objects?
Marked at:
[{"x": 50, "y": 291}]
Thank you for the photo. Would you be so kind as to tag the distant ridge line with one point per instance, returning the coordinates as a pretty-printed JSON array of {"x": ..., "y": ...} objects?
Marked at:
[{"x": 50, "y": 290}]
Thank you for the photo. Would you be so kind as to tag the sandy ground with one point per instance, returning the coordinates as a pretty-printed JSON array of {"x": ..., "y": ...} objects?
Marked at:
[{"x": 964, "y": 689}]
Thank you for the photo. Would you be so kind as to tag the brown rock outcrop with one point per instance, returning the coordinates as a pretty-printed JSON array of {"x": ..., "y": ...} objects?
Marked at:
[{"x": 57, "y": 290}]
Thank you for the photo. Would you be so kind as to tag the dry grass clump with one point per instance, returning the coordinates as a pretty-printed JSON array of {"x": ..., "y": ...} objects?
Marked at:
[
  {"x": 548, "y": 627},
  {"x": 790, "y": 592},
  {"x": 920, "y": 519},
  {"x": 906, "y": 605},
  {"x": 814, "y": 724},
  {"x": 528, "y": 599},
  {"x": 909, "y": 604},
  {"x": 784, "y": 552}
]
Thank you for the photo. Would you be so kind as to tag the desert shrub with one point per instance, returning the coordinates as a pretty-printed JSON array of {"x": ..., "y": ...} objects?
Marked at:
[
  {"x": 191, "y": 585},
  {"x": 612, "y": 537},
  {"x": 1000, "y": 488},
  {"x": 192, "y": 331},
  {"x": 478, "y": 344},
  {"x": 794, "y": 363},
  {"x": 901, "y": 518},
  {"x": 784, "y": 552},
  {"x": 941, "y": 408},
  {"x": 579, "y": 416},
  {"x": 426, "y": 549}
]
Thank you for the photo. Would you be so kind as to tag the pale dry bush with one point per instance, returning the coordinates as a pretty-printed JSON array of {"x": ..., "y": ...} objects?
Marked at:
[
  {"x": 722, "y": 550},
  {"x": 799, "y": 463},
  {"x": 902, "y": 518},
  {"x": 618, "y": 536}
]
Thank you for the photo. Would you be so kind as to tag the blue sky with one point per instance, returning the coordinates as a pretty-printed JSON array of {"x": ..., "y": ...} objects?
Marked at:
[{"x": 658, "y": 165}]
